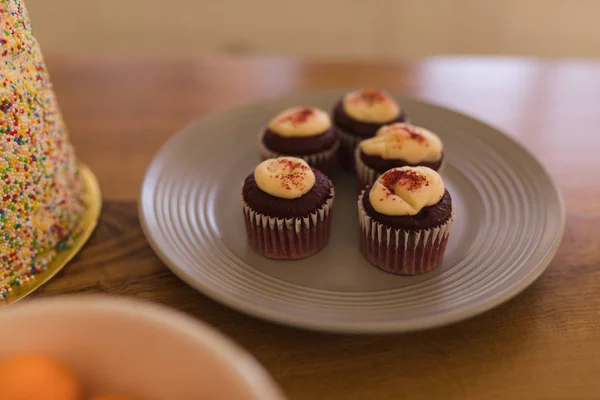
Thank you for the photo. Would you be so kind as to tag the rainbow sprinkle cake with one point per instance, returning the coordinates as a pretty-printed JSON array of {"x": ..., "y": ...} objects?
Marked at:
[{"x": 40, "y": 189}]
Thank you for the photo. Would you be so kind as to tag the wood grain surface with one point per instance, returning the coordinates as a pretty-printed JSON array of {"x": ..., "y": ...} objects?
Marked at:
[{"x": 544, "y": 344}]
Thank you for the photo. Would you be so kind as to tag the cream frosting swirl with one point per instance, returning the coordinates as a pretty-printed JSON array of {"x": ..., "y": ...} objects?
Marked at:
[
  {"x": 401, "y": 141},
  {"x": 300, "y": 122},
  {"x": 284, "y": 177},
  {"x": 371, "y": 105},
  {"x": 406, "y": 191}
]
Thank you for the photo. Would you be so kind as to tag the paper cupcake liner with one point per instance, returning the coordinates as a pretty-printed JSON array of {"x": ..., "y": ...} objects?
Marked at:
[
  {"x": 348, "y": 144},
  {"x": 366, "y": 175},
  {"x": 324, "y": 161},
  {"x": 401, "y": 251},
  {"x": 289, "y": 238}
]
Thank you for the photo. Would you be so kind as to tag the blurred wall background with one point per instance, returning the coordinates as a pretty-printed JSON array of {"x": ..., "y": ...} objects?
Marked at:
[{"x": 323, "y": 29}]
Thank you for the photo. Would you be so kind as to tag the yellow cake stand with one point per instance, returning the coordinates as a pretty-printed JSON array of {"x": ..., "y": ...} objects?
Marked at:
[{"x": 93, "y": 204}]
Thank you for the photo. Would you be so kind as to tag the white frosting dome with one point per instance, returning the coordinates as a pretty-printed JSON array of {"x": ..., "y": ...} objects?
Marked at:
[
  {"x": 406, "y": 191},
  {"x": 284, "y": 177},
  {"x": 371, "y": 105},
  {"x": 401, "y": 141},
  {"x": 300, "y": 122}
]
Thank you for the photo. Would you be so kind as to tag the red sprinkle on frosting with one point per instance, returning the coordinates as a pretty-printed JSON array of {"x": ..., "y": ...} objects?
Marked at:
[
  {"x": 415, "y": 135},
  {"x": 410, "y": 179},
  {"x": 372, "y": 96},
  {"x": 412, "y": 134},
  {"x": 295, "y": 179},
  {"x": 299, "y": 116}
]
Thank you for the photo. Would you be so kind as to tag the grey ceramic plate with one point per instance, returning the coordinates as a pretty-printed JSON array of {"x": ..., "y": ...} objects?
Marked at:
[{"x": 509, "y": 224}]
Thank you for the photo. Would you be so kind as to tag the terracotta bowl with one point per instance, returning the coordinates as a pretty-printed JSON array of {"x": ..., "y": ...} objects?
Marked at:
[{"x": 134, "y": 347}]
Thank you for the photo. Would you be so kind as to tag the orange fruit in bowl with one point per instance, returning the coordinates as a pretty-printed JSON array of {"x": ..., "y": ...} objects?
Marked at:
[{"x": 35, "y": 376}]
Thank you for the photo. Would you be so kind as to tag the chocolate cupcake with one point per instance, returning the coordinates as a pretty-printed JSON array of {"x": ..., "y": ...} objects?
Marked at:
[
  {"x": 287, "y": 208},
  {"x": 405, "y": 220},
  {"x": 303, "y": 132},
  {"x": 396, "y": 145},
  {"x": 359, "y": 115}
]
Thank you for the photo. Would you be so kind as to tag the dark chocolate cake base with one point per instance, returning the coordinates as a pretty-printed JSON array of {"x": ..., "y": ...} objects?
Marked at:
[
  {"x": 325, "y": 161},
  {"x": 298, "y": 146}
]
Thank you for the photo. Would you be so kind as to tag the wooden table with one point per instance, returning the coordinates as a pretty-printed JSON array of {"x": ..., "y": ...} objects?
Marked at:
[{"x": 544, "y": 344}]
